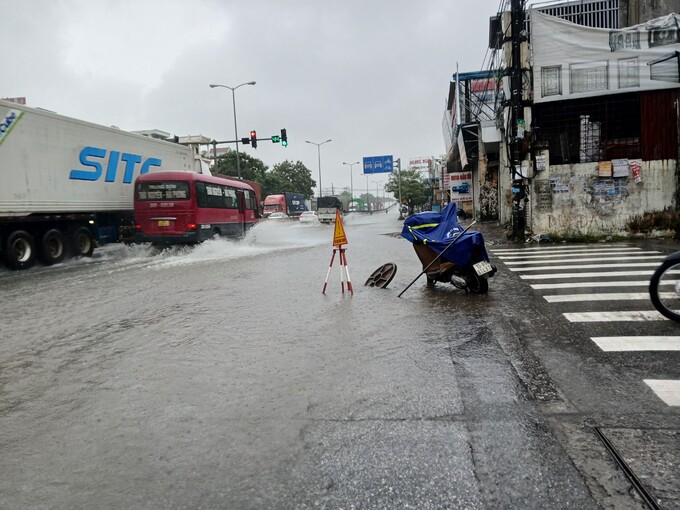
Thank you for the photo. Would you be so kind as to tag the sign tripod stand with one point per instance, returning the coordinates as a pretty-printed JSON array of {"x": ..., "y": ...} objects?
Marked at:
[{"x": 339, "y": 238}]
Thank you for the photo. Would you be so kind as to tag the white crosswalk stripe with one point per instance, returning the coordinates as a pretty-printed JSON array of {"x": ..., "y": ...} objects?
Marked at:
[
  {"x": 552, "y": 269},
  {"x": 634, "y": 252},
  {"x": 589, "y": 285},
  {"x": 587, "y": 266},
  {"x": 637, "y": 343},
  {"x": 590, "y": 259},
  {"x": 560, "y": 276},
  {"x": 635, "y": 315},
  {"x": 605, "y": 296},
  {"x": 666, "y": 390}
]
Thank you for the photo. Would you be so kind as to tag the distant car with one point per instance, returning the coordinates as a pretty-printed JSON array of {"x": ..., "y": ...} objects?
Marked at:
[
  {"x": 309, "y": 217},
  {"x": 278, "y": 216}
]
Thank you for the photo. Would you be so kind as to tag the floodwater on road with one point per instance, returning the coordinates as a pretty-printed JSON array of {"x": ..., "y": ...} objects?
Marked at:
[{"x": 219, "y": 376}]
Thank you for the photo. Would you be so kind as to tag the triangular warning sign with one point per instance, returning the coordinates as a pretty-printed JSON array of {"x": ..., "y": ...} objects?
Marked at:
[{"x": 339, "y": 237}]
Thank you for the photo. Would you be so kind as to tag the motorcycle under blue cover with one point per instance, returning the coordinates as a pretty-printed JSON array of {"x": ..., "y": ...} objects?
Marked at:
[{"x": 438, "y": 229}]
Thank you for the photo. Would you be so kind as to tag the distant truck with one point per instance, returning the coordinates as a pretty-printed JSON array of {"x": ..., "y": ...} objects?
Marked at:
[
  {"x": 67, "y": 185},
  {"x": 326, "y": 208},
  {"x": 292, "y": 204}
]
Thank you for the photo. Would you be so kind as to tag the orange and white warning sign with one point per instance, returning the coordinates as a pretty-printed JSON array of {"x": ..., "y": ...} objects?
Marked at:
[{"x": 339, "y": 237}]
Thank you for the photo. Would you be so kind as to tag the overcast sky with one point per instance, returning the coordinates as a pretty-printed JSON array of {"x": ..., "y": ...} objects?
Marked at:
[{"x": 373, "y": 76}]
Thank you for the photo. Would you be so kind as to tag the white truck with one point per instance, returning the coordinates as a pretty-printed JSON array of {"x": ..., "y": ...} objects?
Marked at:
[
  {"x": 67, "y": 185},
  {"x": 327, "y": 207}
]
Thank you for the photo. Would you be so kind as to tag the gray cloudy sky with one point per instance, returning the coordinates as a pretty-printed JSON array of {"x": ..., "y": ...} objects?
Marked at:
[{"x": 371, "y": 75}]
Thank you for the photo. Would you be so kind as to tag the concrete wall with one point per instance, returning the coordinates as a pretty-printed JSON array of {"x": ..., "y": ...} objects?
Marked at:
[
  {"x": 571, "y": 200},
  {"x": 633, "y": 12}
]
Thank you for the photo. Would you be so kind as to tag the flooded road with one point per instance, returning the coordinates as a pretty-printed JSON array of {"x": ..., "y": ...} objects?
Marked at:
[{"x": 219, "y": 376}]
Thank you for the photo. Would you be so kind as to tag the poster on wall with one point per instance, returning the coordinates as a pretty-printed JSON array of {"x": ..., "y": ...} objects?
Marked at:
[
  {"x": 620, "y": 168},
  {"x": 573, "y": 61},
  {"x": 460, "y": 185},
  {"x": 604, "y": 169},
  {"x": 635, "y": 168}
]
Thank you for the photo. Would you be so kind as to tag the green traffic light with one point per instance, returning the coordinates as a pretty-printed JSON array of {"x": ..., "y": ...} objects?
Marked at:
[{"x": 284, "y": 143}]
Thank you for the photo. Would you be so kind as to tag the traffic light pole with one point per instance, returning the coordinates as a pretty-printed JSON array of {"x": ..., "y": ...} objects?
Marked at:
[{"x": 247, "y": 141}]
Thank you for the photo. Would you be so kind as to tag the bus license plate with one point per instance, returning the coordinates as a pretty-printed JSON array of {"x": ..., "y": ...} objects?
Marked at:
[
  {"x": 482, "y": 267},
  {"x": 163, "y": 223}
]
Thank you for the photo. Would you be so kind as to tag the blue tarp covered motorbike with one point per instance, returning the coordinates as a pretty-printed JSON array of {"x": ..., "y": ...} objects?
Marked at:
[{"x": 464, "y": 263}]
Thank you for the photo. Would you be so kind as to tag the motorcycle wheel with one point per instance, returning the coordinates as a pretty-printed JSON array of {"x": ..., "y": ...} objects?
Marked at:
[
  {"x": 666, "y": 276},
  {"x": 477, "y": 284}
]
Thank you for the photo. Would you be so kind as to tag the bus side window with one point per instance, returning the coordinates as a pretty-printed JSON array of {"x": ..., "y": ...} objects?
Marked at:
[
  {"x": 230, "y": 198},
  {"x": 201, "y": 197}
]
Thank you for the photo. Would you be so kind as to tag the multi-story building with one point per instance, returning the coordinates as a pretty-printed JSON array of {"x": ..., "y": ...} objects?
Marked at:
[{"x": 590, "y": 146}]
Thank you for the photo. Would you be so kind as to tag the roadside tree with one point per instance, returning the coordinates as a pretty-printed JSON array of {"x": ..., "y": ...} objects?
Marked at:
[
  {"x": 289, "y": 176},
  {"x": 414, "y": 188}
]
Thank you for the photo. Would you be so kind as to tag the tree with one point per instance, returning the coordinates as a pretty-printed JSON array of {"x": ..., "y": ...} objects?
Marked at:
[
  {"x": 252, "y": 169},
  {"x": 414, "y": 188},
  {"x": 346, "y": 199},
  {"x": 288, "y": 176}
]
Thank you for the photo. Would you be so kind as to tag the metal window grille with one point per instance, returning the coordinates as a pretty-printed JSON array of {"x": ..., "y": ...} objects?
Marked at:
[
  {"x": 590, "y": 13},
  {"x": 592, "y": 129}
]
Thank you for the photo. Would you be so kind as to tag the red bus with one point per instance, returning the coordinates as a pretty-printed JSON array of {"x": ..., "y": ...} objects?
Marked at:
[{"x": 187, "y": 207}]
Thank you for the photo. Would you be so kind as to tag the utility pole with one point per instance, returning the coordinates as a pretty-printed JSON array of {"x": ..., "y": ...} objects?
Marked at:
[
  {"x": 517, "y": 116},
  {"x": 401, "y": 214}
]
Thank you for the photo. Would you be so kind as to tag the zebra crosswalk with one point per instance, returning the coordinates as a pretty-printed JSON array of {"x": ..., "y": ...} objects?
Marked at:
[{"x": 597, "y": 278}]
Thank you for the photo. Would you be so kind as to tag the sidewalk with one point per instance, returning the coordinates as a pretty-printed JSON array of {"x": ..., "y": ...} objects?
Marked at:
[{"x": 494, "y": 234}]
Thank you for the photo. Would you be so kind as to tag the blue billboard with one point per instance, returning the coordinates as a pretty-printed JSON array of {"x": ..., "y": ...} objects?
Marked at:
[{"x": 378, "y": 164}]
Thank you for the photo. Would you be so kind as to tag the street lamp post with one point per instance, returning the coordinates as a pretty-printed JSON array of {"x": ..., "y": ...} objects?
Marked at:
[
  {"x": 318, "y": 149},
  {"x": 376, "y": 193},
  {"x": 351, "y": 185},
  {"x": 233, "y": 99},
  {"x": 368, "y": 202}
]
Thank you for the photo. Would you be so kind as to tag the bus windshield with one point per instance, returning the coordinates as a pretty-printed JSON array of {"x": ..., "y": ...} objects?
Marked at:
[{"x": 168, "y": 190}]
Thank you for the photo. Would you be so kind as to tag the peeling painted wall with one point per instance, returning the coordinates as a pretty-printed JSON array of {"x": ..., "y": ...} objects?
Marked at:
[
  {"x": 488, "y": 190},
  {"x": 570, "y": 200}
]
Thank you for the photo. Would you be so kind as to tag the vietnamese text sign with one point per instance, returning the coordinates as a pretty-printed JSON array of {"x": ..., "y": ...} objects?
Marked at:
[
  {"x": 460, "y": 186},
  {"x": 420, "y": 163},
  {"x": 378, "y": 164}
]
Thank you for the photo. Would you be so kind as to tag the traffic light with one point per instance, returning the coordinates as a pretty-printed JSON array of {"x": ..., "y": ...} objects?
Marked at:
[
  {"x": 284, "y": 138},
  {"x": 253, "y": 139}
]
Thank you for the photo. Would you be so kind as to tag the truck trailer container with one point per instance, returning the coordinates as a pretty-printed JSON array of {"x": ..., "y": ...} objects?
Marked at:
[
  {"x": 67, "y": 184},
  {"x": 292, "y": 204}
]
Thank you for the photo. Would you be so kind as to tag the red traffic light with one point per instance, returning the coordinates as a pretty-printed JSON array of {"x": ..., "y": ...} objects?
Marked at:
[{"x": 253, "y": 139}]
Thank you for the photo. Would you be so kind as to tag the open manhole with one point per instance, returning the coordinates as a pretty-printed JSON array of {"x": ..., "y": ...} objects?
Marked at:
[{"x": 382, "y": 276}]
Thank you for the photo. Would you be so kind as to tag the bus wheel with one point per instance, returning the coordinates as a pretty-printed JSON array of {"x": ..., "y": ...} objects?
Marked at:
[
  {"x": 52, "y": 249},
  {"x": 83, "y": 242},
  {"x": 19, "y": 250}
]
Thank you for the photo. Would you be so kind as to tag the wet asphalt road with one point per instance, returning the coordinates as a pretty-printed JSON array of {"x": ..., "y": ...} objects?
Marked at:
[{"x": 221, "y": 377}]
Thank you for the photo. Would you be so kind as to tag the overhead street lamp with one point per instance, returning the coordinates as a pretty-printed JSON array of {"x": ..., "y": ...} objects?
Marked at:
[
  {"x": 233, "y": 99},
  {"x": 351, "y": 185},
  {"x": 318, "y": 149}
]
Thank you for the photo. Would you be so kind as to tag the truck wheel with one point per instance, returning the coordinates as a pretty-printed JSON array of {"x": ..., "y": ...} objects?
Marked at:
[
  {"x": 19, "y": 250},
  {"x": 83, "y": 242},
  {"x": 52, "y": 248}
]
